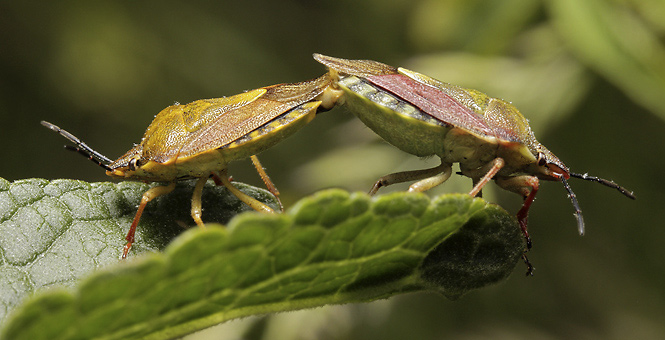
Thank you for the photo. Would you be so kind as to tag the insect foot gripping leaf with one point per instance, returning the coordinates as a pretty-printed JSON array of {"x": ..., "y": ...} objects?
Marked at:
[
  {"x": 198, "y": 139},
  {"x": 488, "y": 137},
  {"x": 330, "y": 248}
]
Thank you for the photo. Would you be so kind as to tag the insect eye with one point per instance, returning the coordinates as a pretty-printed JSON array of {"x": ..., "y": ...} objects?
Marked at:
[
  {"x": 132, "y": 164},
  {"x": 541, "y": 159}
]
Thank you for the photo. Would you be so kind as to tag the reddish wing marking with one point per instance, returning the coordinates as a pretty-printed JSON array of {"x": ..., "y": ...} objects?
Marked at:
[{"x": 433, "y": 102}]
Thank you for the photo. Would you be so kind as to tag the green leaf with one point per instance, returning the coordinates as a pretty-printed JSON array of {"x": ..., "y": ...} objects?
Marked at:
[
  {"x": 331, "y": 248},
  {"x": 53, "y": 233}
]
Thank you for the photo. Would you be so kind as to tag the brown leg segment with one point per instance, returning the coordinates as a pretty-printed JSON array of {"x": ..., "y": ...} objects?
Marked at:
[
  {"x": 147, "y": 197},
  {"x": 527, "y": 186},
  {"x": 529, "y": 266},
  {"x": 523, "y": 213},
  {"x": 216, "y": 179},
  {"x": 497, "y": 164}
]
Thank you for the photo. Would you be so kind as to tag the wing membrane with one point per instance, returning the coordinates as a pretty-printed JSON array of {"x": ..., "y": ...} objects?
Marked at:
[{"x": 240, "y": 121}]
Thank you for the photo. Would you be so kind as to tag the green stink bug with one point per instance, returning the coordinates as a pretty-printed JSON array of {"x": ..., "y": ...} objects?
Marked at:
[
  {"x": 488, "y": 137},
  {"x": 198, "y": 139}
]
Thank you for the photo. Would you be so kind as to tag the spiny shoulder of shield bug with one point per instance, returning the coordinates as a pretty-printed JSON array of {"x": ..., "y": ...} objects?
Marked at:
[{"x": 488, "y": 137}]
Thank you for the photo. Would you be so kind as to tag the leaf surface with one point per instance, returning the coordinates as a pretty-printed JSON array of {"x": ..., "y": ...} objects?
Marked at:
[{"x": 330, "y": 248}]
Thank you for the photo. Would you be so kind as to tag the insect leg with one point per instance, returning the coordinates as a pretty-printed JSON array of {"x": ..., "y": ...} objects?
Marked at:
[
  {"x": 430, "y": 178},
  {"x": 527, "y": 186},
  {"x": 147, "y": 197},
  {"x": 264, "y": 177},
  {"x": 523, "y": 213},
  {"x": 497, "y": 164},
  {"x": 197, "y": 211},
  {"x": 256, "y": 205},
  {"x": 529, "y": 266},
  {"x": 216, "y": 179},
  {"x": 431, "y": 182}
]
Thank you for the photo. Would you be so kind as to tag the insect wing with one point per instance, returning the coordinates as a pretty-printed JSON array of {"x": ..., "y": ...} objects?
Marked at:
[
  {"x": 201, "y": 113},
  {"x": 452, "y": 105},
  {"x": 358, "y": 68},
  {"x": 236, "y": 123},
  {"x": 503, "y": 120},
  {"x": 174, "y": 126},
  {"x": 434, "y": 102}
]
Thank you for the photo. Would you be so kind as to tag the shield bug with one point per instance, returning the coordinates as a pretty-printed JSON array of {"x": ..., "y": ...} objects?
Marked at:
[
  {"x": 488, "y": 137},
  {"x": 198, "y": 139}
]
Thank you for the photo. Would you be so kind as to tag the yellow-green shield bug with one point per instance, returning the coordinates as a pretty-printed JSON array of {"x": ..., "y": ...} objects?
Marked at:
[
  {"x": 198, "y": 139},
  {"x": 488, "y": 137}
]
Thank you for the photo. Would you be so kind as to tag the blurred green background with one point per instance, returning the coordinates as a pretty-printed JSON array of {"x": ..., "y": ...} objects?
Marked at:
[{"x": 589, "y": 75}]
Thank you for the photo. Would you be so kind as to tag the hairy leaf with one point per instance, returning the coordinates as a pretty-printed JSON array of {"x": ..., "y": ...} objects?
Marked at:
[
  {"x": 331, "y": 248},
  {"x": 54, "y": 232}
]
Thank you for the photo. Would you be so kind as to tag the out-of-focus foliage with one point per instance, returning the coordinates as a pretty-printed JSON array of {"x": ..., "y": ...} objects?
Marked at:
[{"x": 589, "y": 75}]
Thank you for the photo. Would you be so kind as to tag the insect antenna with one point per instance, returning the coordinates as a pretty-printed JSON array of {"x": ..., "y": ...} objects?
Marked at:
[
  {"x": 606, "y": 183},
  {"x": 80, "y": 147},
  {"x": 576, "y": 205}
]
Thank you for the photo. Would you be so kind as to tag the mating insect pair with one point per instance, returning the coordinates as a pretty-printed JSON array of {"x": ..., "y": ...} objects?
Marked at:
[{"x": 488, "y": 137}]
